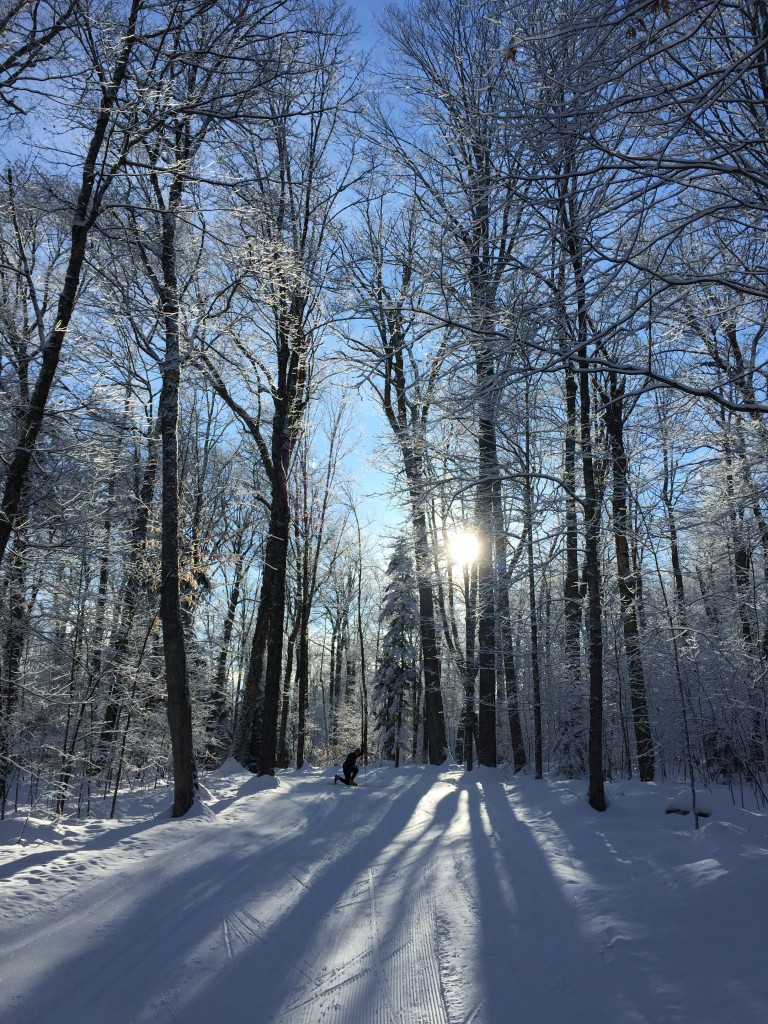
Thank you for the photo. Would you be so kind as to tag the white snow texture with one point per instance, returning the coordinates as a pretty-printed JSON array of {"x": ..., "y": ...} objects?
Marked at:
[{"x": 425, "y": 896}]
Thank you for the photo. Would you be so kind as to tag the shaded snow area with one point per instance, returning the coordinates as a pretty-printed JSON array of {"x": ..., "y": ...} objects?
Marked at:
[{"x": 422, "y": 897}]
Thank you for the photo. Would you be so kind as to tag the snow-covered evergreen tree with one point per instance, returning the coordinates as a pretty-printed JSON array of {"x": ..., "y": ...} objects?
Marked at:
[{"x": 398, "y": 667}]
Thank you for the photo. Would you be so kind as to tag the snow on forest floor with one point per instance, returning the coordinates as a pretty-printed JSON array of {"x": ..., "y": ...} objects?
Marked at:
[{"x": 427, "y": 896}]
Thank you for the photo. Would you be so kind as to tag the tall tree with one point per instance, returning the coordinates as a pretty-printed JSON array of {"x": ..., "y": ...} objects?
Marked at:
[
  {"x": 220, "y": 63},
  {"x": 402, "y": 364},
  {"x": 108, "y": 64},
  {"x": 289, "y": 180},
  {"x": 614, "y": 417},
  {"x": 470, "y": 183}
]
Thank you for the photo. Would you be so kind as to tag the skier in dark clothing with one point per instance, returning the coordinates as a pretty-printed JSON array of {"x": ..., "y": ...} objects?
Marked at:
[{"x": 349, "y": 767}]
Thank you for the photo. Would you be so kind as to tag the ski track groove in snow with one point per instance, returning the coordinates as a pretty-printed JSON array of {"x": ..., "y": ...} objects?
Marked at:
[
  {"x": 391, "y": 1013},
  {"x": 250, "y": 928},
  {"x": 169, "y": 1002},
  {"x": 410, "y": 951},
  {"x": 227, "y": 940},
  {"x": 385, "y": 968}
]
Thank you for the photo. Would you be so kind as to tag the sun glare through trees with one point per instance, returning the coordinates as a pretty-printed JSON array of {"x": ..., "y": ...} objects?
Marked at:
[{"x": 464, "y": 547}]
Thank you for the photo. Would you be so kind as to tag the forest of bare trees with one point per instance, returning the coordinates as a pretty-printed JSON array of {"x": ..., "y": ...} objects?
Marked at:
[{"x": 515, "y": 257}]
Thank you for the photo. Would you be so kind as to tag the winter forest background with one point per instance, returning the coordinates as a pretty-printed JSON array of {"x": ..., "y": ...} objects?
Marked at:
[{"x": 510, "y": 256}]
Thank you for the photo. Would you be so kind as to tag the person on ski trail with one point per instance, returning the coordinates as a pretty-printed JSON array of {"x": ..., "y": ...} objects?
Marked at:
[{"x": 349, "y": 767}]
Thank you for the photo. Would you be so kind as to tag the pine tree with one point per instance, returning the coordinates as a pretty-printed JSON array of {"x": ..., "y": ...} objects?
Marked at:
[{"x": 398, "y": 667}]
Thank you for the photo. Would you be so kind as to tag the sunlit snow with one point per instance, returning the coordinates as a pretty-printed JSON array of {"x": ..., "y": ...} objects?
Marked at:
[{"x": 425, "y": 896}]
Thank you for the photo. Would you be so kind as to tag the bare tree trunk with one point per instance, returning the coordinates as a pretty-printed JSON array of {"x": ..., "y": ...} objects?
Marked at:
[
  {"x": 574, "y": 614},
  {"x": 174, "y": 646},
  {"x": 504, "y": 626},
  {"x": 361, "y": 643},
  {"x": 486, "y": 644},
  {"x": 333, "y": 685},
  {"x": 311, "y": 540},
  {"x": 667, "y": 498},
  {"x": 434, "y": 723},
  {"x": 215, "y": 749},
  {"x": 742, "y": 560},
  {"x": 135, "y": 578},
  {"x": 246, "y": 741},
  {"x": 614, "y": 421},
  {"x": 569, "y": 215},
  {"x": 487, "y": 468},
  {"x": 256, "y": 740},
  {"x": 302, "y": 674},
  {"x": 570, "y": 223},
  {"x": 470, "y": 661},
  {"x": 285, "y": 701},
  {"x": 259, "y": 735},
  {"x": 416, "y": 704},
  {"x": 594, "y": 619},
  {"x": 534, "y": 623},
  {"x": 12, "y": 654}
]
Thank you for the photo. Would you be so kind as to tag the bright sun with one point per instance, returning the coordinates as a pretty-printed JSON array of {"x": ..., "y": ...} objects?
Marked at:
[{"x": 464, "y": 547}]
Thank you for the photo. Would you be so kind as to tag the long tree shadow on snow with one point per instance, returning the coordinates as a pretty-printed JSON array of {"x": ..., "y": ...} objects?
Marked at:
[
  {"x": 211, "y": 943},
  {"x": 155, "y": 958},
  {"x": 537, "y": 955},
  {"x": 285, "y": 966}
]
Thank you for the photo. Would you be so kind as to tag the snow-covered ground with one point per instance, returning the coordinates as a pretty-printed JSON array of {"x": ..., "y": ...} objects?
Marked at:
[{"x": 423, "y": 897}]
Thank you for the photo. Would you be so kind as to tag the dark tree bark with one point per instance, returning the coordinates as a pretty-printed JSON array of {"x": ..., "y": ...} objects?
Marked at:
[
  {"x": 596, "y": 797},
  {"x": 614, "y": 421},
  {"x": 285, "y": 698},
  {"x": 136, "y": 580},
  {"x": 310, "y": 534},
  {"x": 302, "y": 688},
  {"x": 434, "y": 723},
  {"x": 519, "y": 756},
  {"x": 486, "y": 576},
  {"x": 569, "y": 748},
  {"x": 18, "y": 608},
  {"x": 174, "y": 644},
  {"x": 569, "y": 214},
  {"x": 406, "y": 406},
  {"x": 469, "y": 723},
  {"x": 278, "y": 541},
  {"x": 532, "y": 604},
  {"x": 215, "y": 747},
  {"x": 255, "y": 743}
]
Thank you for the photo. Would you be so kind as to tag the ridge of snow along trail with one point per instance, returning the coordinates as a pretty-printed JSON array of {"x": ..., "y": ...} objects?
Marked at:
[{"x": 430, "y": 897}]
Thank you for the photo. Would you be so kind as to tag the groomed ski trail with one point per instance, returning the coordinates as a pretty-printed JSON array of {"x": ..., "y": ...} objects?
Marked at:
[{"x": 430, "y": 897}]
